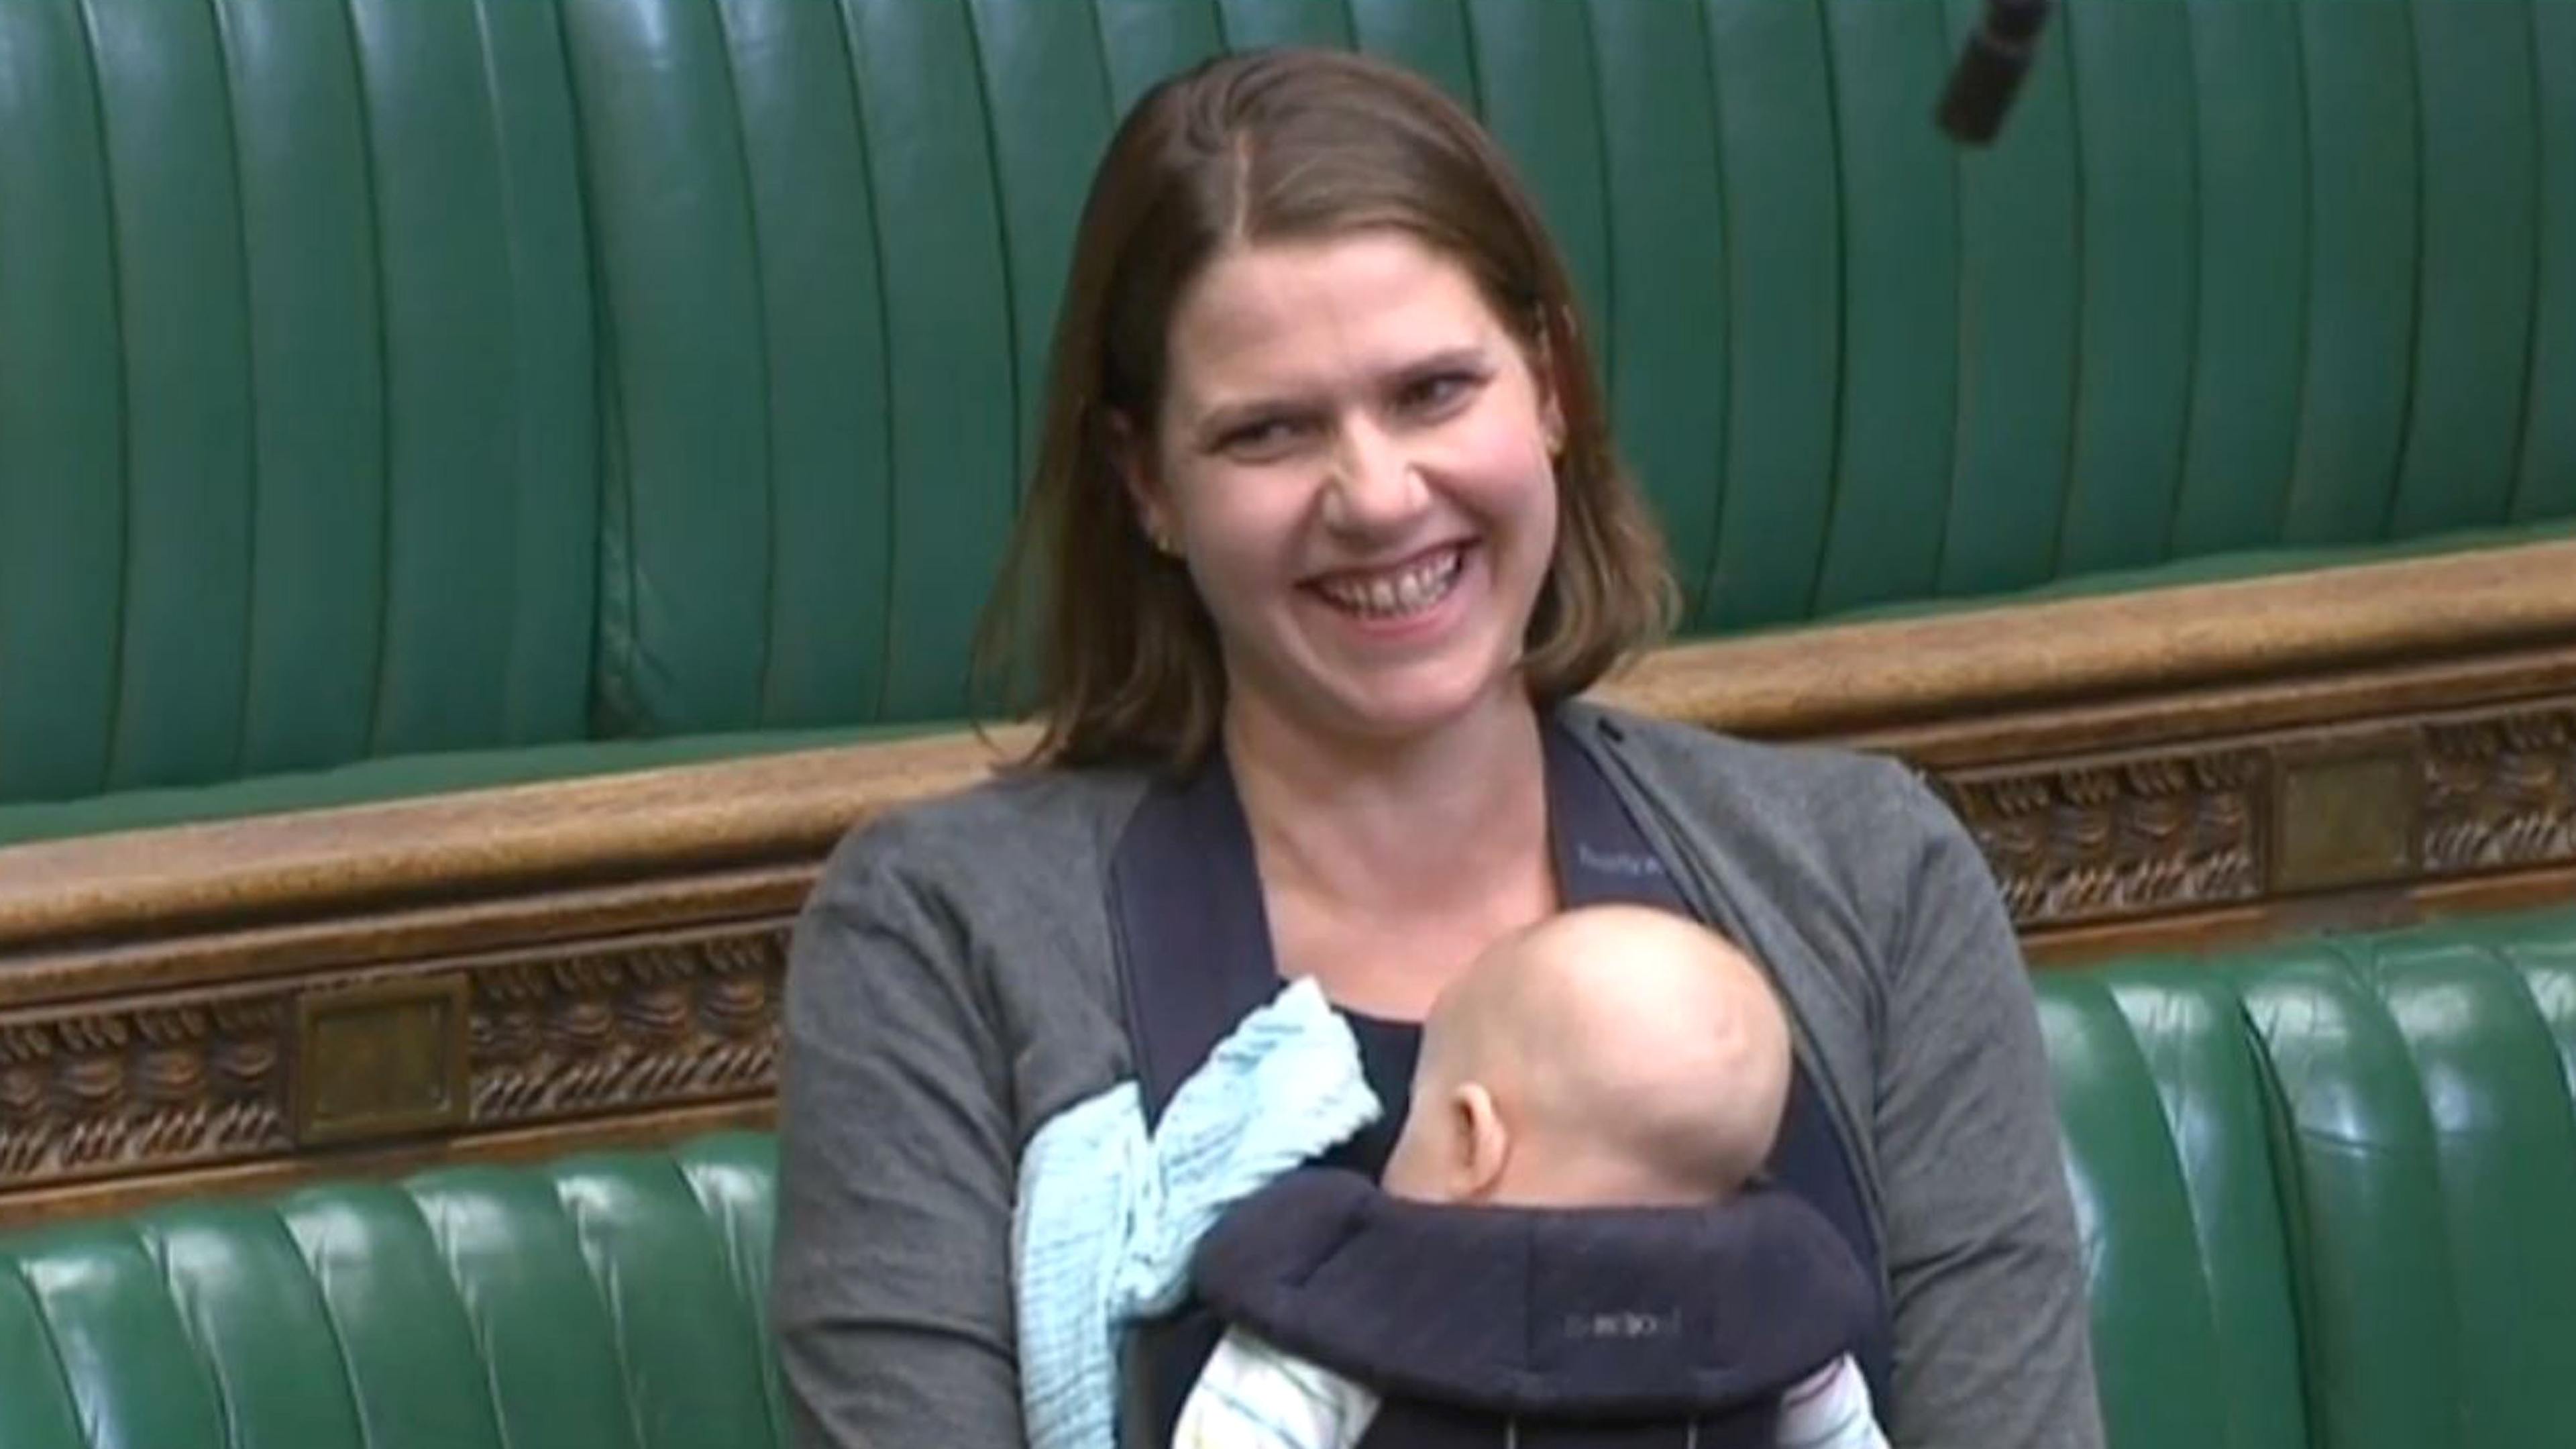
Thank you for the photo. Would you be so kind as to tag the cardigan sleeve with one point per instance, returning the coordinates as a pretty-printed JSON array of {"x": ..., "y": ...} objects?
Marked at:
[
  {"x": 892, "y": 1301},
  {"x": 1985, "y": 1272}
]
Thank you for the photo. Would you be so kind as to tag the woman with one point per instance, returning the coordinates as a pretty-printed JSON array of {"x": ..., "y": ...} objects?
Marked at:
[{"x": 1329, "y": 533}]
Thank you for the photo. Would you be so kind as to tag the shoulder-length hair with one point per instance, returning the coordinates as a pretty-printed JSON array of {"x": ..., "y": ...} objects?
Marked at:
[{"x": 1282, "y": 145}]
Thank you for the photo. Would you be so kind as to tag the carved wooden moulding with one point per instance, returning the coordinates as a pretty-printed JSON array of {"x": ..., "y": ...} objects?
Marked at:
[
  {"x": 401, "y": 1051},
  {"x": 657, "y": 1023},
  {"x": 101, "y": 1091},
  {"x": 2234, "y": 822}
]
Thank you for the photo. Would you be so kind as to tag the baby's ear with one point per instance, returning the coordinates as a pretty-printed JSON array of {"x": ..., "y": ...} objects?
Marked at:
[{"x": 1481, "y": 1144}]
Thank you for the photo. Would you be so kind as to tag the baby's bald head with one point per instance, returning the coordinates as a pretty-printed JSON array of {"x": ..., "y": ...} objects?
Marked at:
[{"x": 1624, "y": 1054}]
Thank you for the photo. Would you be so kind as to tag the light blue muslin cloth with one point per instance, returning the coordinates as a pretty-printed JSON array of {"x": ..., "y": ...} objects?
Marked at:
[{"x": 1108, "y": 1214}]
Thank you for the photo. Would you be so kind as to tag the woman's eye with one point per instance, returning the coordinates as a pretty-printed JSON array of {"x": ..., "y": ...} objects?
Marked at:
[
  {"x": 1437, "y": 393},
  {"x": 1266, "y": 438}
]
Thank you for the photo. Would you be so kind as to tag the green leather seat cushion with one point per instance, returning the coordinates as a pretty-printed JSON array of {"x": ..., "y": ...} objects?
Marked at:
[
  {"x": 2349, "y": 1227},
  {"x": 608, "y": 1302}
]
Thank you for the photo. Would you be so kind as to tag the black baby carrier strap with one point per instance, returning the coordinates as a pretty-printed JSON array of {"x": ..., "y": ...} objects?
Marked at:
[{"x": 1193, "y": 946}]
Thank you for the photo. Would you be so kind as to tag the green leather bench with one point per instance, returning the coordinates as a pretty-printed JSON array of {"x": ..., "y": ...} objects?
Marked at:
[
  {"x": 398, "y": 397},
  {"x": 2326, "y": 1193}
]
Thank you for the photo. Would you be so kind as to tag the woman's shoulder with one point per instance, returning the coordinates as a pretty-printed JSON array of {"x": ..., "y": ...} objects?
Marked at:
[
  {"x": 1806, "y": 822},
  {"x": 1823, "y": 790},
  {"x": 992, "y": 895},
  {"x": 1004, "y": 837}
]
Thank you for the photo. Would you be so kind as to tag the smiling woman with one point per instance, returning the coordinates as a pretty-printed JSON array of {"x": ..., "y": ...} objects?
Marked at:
[
  {"x": 1325, "y": 534},
  {"x": 1305, "y": 276},
  {"x": 1354, "y": 463}
]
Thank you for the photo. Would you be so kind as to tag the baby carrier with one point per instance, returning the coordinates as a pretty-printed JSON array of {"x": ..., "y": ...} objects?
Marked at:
[{"x": 1596, "y": 1329}]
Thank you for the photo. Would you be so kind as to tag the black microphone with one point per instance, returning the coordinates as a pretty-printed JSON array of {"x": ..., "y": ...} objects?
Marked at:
[{"x": 1990, "y": 69}]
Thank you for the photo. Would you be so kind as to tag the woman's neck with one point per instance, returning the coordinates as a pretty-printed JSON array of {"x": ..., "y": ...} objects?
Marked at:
[{"x": 1405, "y": 827}]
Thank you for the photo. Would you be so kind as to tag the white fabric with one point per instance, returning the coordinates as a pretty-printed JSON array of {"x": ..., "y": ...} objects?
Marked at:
[{"x": 1252, "y": 1396}]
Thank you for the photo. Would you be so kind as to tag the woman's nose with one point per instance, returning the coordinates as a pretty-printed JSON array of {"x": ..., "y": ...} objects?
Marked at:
[{"x": 1375, "y": 486}]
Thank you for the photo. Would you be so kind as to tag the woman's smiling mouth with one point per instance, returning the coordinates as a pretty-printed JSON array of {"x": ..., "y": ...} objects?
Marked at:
[{"x": 1390, "y": 595}]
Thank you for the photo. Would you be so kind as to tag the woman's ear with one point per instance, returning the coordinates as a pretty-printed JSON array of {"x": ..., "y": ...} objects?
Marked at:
[
  {"x": 1551, "y": 390},
  {"x": 1481, "y": 1144},
  {"x": 1132, "y": 454}
]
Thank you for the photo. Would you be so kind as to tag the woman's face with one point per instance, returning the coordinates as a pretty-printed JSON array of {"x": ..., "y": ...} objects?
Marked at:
[{"x": 1355, "y": 456}]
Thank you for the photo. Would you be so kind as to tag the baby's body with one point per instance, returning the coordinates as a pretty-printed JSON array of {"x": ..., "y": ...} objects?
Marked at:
[{"x": 1614, "y": 1056}]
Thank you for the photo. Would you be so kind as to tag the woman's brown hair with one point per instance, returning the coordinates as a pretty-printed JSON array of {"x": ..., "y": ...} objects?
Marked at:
[{"x": 1283, "y": 145}]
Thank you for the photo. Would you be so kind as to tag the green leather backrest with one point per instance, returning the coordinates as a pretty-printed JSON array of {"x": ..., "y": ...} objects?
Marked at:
[
  {"x": 298, "y": 393},
  {"x": 379, "y": 377},
  {"x": 2208, "y": 295},
  {"x": 2324, "y": 1195}
]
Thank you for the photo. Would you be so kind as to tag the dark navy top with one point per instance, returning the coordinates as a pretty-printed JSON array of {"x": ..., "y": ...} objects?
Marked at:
[{"x": 1388, "y": 1052}]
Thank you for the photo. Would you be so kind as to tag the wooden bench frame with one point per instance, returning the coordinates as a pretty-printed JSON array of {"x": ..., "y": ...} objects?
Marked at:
[{"x": 520, "y": 971}]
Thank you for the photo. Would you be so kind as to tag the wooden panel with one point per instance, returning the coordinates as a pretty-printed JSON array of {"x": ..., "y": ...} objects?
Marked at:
[
  {"x": 163, "y": 1083},
  {"x": 2409, "y": 803},
  {"x": 380, "y": 1059}
]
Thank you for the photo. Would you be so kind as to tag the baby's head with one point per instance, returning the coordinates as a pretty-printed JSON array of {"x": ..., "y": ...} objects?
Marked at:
[{"x": 1611, "y": 1055}]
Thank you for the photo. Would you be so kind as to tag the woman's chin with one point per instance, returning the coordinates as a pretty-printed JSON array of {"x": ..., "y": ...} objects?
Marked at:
[
  {"x": 1368, "y": 698},
  {"x": 1412, "y": 705}
]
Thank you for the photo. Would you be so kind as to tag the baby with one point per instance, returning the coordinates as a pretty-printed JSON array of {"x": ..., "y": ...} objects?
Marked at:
[{"x": 1619, "y": 1060}]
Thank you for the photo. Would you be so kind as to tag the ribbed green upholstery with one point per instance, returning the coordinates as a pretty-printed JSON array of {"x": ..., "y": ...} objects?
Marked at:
[
  {"x": 2352, "y": 1232},
  {"x": 2365, "y": 1209},
  {"x": 296, "y": 404},
  {"x": 2189, "y": 1267},
  {"x": 379, "y": 378},
  {"x": 2506, "y": 1147},
  {"x": 2250, "y": 164},
  {"x": 608, "y": 1302},
  {"x": 2545, "y": 484},
  {"x": 2323, "y": 1190}
]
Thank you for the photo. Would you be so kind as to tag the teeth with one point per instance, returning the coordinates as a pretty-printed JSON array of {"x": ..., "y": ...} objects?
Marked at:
[{"x": 1389, "y": 596}]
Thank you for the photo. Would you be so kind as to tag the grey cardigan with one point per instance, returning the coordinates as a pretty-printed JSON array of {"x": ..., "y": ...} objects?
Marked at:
[{"x": 953, "y": 983}]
